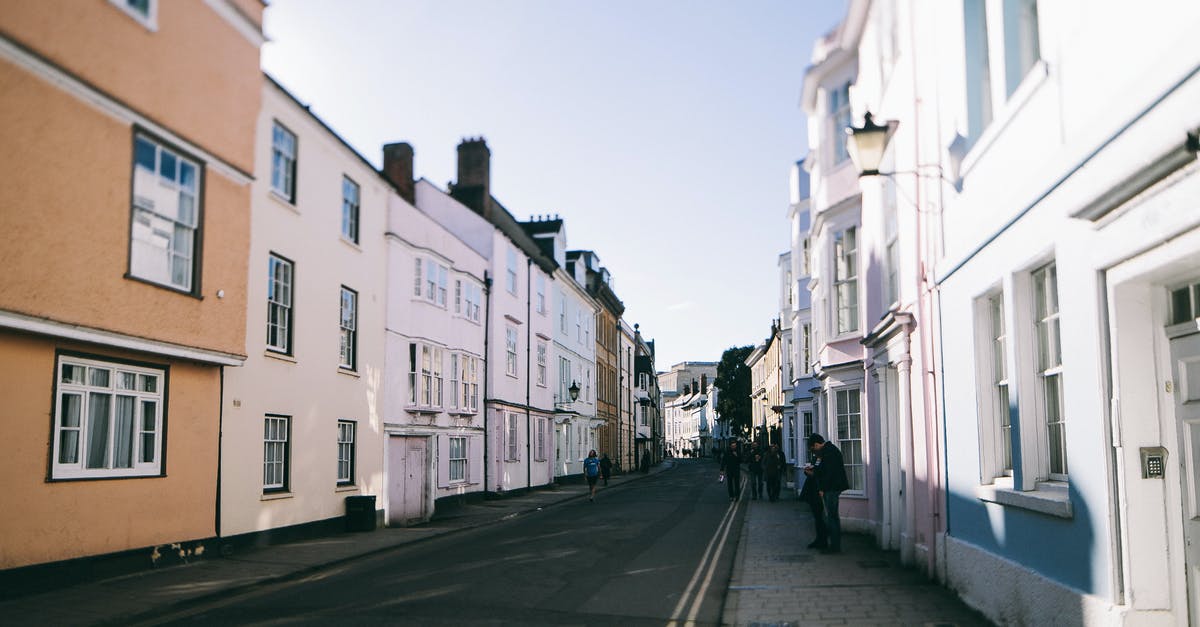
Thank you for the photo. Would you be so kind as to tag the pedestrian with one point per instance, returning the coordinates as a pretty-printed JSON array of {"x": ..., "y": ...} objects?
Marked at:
[
  {"x": 756, "y": 474},
  {"x": 773, "y": 465},
  {"x": 606, "y": 466},
  {"x": 645, "y": 462},
  {"x": 591, "y": 470},
  {"x": 731, "y": 470},
  {"x": 809, "y": 494},
  {"x": 831, "y": 481}
]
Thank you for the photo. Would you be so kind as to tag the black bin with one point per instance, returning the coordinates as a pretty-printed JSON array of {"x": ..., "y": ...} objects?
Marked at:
[{"x": 360, "y": 513}]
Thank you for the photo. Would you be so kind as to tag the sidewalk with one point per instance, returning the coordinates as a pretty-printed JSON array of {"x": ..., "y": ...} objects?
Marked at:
[
  {"x": 150, "y": 593},
  {"x": 775, "y": 578}
]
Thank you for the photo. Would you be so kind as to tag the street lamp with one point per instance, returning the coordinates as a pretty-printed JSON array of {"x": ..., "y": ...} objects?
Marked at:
[
  {"x": 866, "y": 144},
  {"x": 574, "y": 391}
]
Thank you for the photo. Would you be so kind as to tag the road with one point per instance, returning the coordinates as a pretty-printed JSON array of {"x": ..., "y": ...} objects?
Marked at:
[{"x": 650, "y": 552}]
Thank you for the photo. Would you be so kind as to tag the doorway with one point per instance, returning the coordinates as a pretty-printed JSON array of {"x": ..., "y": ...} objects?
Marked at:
[{"x": 408, "y": 480}]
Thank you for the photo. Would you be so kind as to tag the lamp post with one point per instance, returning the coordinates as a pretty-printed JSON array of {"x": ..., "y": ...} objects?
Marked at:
[{"x": 867, "y": 144}]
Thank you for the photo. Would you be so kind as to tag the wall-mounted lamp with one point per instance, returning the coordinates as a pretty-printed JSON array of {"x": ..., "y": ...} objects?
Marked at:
[
  {"x": 868, "y": 143},
  {"x": 574, "y": 391}
]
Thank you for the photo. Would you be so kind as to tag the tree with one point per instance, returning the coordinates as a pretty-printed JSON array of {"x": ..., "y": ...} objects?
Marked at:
[{"x": 733, "y": 379}]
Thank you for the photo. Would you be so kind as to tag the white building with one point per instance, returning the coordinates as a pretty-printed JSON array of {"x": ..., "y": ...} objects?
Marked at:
[
  {"x": 301, "y": 424},
  {"x": 803, "y": 418}
]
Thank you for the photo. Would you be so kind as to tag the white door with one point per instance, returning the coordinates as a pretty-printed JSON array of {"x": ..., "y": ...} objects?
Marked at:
[
  {"x": 407, "y": 480},
  {"x": 1185, "y": 360}
]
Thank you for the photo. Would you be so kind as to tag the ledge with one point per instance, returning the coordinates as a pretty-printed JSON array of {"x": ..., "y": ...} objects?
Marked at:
[
  {"x": 1050, "y": 498},
  {"x": 276, "y": 496}
]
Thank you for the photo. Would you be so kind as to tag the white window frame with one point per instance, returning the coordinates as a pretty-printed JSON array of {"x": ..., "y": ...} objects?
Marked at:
[
  {"x": 993, "y": 387},
  {"x": 539, "y": 448},
  {"x": 512, "y": 438},
  {"x": 510, "y": 351},
  {"x": 99, "y": 385},
  {"x": 414, "y": 351},
  {"x": 806, "y": 361},
  {"x": 149, "y": 19},
  {"x": 1002, "y": 50},
  {"x": 564, "y": 380},
  {"x": 455, "y": 380},
  {"x": 458, "y": 297},
  {"x": 348, "y": 330},
  {"x": 510, "y": 276},
  {"x": 1048, "y": 367},
  {"x": 439, "y": 388},
  {"x": 281, "y": 279},
  {"x": 284, "y": 151},
  {"x": 853, "y": 448},
  {"x": 839, "y": 120},
  {"x": 541, "y": 293},
  {"x": 542, "y": 351},
  {"x": 346, "y": 451},
  {"x": 457, "y": 459},
  {"x": 165, "y": 221},
  {"x": 471, "y": 382},
  {"x": 845, "y": 281},
  {"x": 277, "y": 431},
  {"x": 351, "y": 200},
  {"x": 562, "y": 314}
]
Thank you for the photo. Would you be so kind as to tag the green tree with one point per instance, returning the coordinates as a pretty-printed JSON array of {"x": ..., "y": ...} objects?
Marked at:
[{"x": 733, "y": 380}]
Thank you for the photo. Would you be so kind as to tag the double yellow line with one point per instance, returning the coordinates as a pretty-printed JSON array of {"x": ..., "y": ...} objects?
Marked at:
[{"x": 708, "y": 564}]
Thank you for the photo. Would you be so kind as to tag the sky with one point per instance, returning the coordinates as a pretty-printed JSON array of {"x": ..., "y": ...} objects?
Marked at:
[{"x": 661, "y": 131}]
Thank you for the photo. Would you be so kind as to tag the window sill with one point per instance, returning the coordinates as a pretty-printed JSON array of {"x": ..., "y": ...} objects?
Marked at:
[
  {"x": 418, "y": 409},
  {"x": 457, "y": 413},
  {"x": 1008, "y": 111},
  {"x": 283, "y": 200},
  {"x": 351, "y": 243},
  {"x": 348, "y": 372},
  {"x": 1050, "y": 497},
  {"x": 347, "y": 488},
  {"x": 280, "y": 356},
  {"x": 276, "y": 496},
  {"x": 165, "y": 286}
]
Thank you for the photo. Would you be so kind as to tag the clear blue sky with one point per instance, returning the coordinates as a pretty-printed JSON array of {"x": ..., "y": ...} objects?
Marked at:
[{"x": 662, "y": 131}]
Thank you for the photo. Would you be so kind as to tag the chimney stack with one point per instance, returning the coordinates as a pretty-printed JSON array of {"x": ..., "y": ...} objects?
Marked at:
[
  {"x": 474, "y": 164},
  {"x": 398, "y": 168},
  {"x": 703, "y": 383}
]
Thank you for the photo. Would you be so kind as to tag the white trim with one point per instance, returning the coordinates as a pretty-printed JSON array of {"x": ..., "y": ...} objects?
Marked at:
[
  {"x": 1051, "y": 498},
  {"x": 104, "y": 104},
  {"x": 239, "y": 22},
  {"x": 43, "y": 326}
]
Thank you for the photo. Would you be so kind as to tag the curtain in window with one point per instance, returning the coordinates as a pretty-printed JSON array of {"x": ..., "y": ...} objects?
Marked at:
[
  {"x": 123, "y": 425},
  {"x": 97, "y": 437}
]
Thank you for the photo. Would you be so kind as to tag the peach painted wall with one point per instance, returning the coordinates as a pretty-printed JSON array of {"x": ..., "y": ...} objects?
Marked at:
[
  {"x": 211, "y": 69},
  {"x": 65, "y": 213},
  {"x": 46, "y": 521}
]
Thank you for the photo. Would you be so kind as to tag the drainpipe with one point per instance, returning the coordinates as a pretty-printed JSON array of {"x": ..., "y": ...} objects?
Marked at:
[
  {"x": 487, "y": 333},
  {"x": 220, "y": 437},
  {"x": 528, "y": 370}
]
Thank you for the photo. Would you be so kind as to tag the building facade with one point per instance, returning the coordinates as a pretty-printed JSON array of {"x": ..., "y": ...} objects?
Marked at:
[{"x": 119, "y": 338}]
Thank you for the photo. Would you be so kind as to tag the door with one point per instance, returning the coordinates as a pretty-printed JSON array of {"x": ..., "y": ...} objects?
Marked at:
[
  {"x": 407, "y": 480},
  {"x": 1185, "y": 360}
]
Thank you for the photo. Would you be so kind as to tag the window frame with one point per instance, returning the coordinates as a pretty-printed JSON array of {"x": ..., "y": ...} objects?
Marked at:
[
  {"x": 855, "y": 392},
  {"x": 512, "y": 437},
  {"x": 181, "y": 158},
  {"x": 541, "y": 293},
  {"x": 511, "y": 362},
  {"x": 510, "y": 275},
  {"x": 543, "y": 351},
  {"x": 839, "y": 120},
  {"x": 994, "y": 388},
  {"x": 59, "y": 470},
  {"x": 347, "y": 452},
  {"x": 289, "y": 308},
  {"x": 457, "y": 462},
  {"x": 348, "y": 336},
  {"x": 286, "y": 193},
  {"x": 284, "y": 484},
  {"x": 845, "y": 275},
  {"x": 351, "y": 210},
  {"x": 1044, "y": 370}
]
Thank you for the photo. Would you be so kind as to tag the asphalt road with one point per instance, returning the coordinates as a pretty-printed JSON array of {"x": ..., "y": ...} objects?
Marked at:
[{"x": 650, "y": 552}]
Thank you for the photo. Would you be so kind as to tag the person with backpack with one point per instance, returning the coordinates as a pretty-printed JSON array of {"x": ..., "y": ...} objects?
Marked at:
[{"x": 591, "y": 470}]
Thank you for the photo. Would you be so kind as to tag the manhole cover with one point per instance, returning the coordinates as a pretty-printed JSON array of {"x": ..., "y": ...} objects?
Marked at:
[{"x": 873, "y": 564}]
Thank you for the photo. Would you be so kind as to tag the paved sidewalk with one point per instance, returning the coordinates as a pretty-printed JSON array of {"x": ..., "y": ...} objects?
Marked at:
[
  {"x": 144, "y": 595},
  {"x": 777, "y": 580}
]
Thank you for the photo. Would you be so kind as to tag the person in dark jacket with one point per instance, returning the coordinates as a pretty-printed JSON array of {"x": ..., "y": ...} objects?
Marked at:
[
  {"x": 773, "y": 465},
  {"x": 731, "y": 467},
  {"x": 756, "y": 474},
  {"x": 605, "y": 468},
  {"x": 809, "y": 494},
  {"x": 831, "y": 482}
]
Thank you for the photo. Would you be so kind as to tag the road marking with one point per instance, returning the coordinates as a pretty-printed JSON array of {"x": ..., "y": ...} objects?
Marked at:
[{"x": 707, "y": 559}]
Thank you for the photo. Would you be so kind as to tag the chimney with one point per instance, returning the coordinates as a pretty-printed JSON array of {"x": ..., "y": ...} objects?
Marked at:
[
  {"x": 474, "y": 164},
  {"x": 687, "y": 389},
  {"x": 703, "y": 383},
  {"x": 695, "y": 386},
  {"x": 398, "y": 168}
]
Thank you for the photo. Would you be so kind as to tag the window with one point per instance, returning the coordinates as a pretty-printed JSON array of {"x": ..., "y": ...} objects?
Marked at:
[
  {"x": 805, "y": 260},
  {"x": 511, "y": 440},
  {"x": 511, "y": 275},
  {"x": 144, "y": 11},
  {"x": 839, "y": 115},
  {"x": 997, "y": 415},
  {"x": 1049, "y": 368},
  {"x": 417, "y": 277},
  {"x": 541, "y": 293},
  {"x": 562, "y": 313},
  {"x": 441, "y": 286},
  {"x": 541, "y": 363},
  {"x": 455, "y": 377},
  {"x": 276, "y": 436},
  {"x": 413, "y": 380},
  {"x": 458, "y": 458},
  {"x": 474, "y": 296},
  {"x": 349, "y": 329},
  {"x": 279, "y": 304},
  {"x": 426, "y": 375},
  {"x": 350, "y": 194},
  {"x": 162, "y": 239},
  {"x": 846, "y": 280},
  {"x": 510, "y": 346},
  {"x": 540, "y": 447},
  {"x": 892, "y": 267},
  {"x": 108, "y": 419},
  {"x": 807, "y": 427},
  {"x": 1001, "y": 44},
  {"x": 470, "y": 383},
  {"x": 345, "y": 452},
  {"x": 1185, "y": 303},
  {"x": 283, "y": 162},
  {"x": 458, "y": 296},
  {"x": 564, "y": 380},
  {"x": 438, "y": 380},
  {"x": 849, "y": 429},
  {"x": 433, "y": 287},
  {"x": 806, "y": 360},
  {"x": 579, "y": 325}
]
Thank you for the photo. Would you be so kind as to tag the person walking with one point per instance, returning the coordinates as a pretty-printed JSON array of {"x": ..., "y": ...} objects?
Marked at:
[
  {"x": 645, "y": 466},
  {"x": 605, "y": 468},
  {"x": 756, "y": 474},
  {"x": 809, "y": 494},
  {"x": 831, "y": 481},
  {"x": 773, "y": 466},
  {"x": 731, "y": 469},
  {"x": 591, "y": 470}
]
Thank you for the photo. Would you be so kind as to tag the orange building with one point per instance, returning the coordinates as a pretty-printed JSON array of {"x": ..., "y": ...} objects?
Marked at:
[{"x": 128, "y": 129}]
